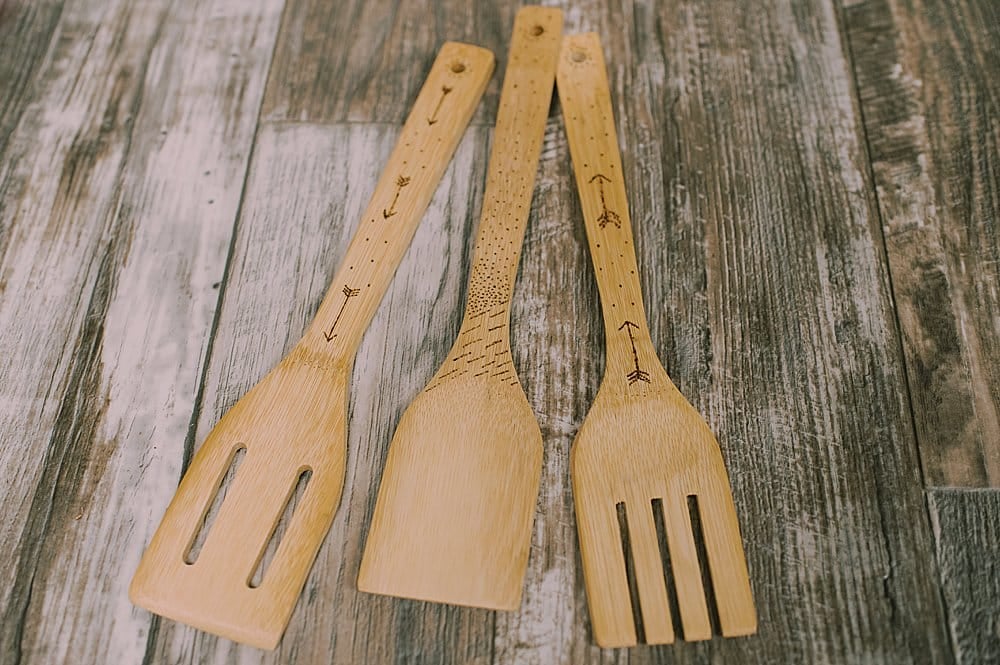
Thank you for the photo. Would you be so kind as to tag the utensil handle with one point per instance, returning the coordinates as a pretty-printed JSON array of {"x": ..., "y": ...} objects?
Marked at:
[
  {"x": 590, "y": 129},
  {"x": 517, "y": 143},
  {"x": 431, "y": 134}
]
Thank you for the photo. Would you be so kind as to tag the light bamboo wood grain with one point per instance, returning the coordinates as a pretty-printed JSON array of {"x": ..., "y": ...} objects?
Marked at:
[
  {"x": 641, "y": 441},
  {"x": 457, "y": 497},
  {"x": 775, "y": 319},
  {"x": 294, "y": 420}
]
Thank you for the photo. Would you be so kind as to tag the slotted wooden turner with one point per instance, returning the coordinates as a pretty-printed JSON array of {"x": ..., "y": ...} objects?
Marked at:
[
  {"x": 294, "y": 420},
  {"x": 453, "y": 518},
  {"x": 642, "y": 445}
]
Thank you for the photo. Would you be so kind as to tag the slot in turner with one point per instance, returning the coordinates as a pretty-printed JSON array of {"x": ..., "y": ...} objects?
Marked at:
[{"x": 294, "y": 419}]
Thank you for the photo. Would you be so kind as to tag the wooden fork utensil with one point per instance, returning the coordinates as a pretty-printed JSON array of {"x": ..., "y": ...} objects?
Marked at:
[
  {"x": 292, "y": 425},
  {"x": 457, "y": 499},
  {"x": 642, "y": 451}
]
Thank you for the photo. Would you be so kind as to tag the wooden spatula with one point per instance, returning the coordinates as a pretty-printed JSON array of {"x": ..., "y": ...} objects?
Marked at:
[
  {"x": 642, "y": 449},
  {"x": 293, "y": 422},
  {"x": 453, "y": 518}
]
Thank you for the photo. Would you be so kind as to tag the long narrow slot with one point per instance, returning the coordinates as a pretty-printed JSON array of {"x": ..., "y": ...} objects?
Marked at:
[
  {"x": 668, "y": 572},
  {"x": 706, "y": 572},
  {"x": 267, "y": 556},
  {"x": 633, "y": 584},
  {"x": 201, "y": 535}
]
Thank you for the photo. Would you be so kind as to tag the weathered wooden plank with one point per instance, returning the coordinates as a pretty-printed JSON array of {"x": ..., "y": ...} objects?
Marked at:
[
  {"x": 759, "y": 247},
  {"x": 365, "y": 60},
  {"x": 158, "y": 289},
  {"x": 57, "y": 256},
  {"x": 967, "y": 530},
  {"x": 760, "y": 252},
  {"x": 25, "y": 33},
  {"x": 307, "y": 188},
  {"x": 928, "y": 74}
]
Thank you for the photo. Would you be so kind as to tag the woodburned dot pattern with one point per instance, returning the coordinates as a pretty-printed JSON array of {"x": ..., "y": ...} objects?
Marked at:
[
  {"x": 590, "y": 124},
  {"x": 517, "y": 145}
]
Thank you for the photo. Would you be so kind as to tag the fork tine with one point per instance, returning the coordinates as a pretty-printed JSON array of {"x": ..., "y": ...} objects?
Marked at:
[
  {"x": 687, "y": 573},
  {"x": 730, "y": 578},
  {"x": 604, "y": 573},
  {"x": 649, "y": 573}
]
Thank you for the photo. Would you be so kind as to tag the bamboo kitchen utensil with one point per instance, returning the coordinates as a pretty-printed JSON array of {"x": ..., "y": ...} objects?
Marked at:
[
  {"x": 642, "y": 448},
  {"x": 453, "y": 518},
  {"x": 293, "y": 423}
]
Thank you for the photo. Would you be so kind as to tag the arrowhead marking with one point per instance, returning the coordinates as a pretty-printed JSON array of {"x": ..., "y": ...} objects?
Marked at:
[{"x": 637, "y": 375}]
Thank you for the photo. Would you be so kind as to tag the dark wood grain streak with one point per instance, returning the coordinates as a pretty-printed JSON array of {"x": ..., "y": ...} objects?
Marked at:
[
  {"x": 150, "y": 154},
  {"x": 26, "y": 29},
  {"x": 967, "y": 529},
  {"x": 68, "y": 457},
  {"x": 58, "y": 241},
  {"x": 927, "y": 75}
]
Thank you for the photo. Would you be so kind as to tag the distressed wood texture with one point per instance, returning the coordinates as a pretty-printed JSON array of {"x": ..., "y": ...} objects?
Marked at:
[
  {"x": 760, "y": 254},
  {"x": 169, "y": 224},
  {"x": 927, "y": 73},
  {"x": 26, "y": 30},
  {"x": 968, "y": 549},
  {"x": 121, "y": 184},
  {"x": 60, "y": 171},
  {"x": 364, "y": 60}
]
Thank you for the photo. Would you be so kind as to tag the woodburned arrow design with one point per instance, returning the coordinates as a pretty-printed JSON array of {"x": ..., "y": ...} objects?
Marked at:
[
  {"x": 637, "y": 374},
  {"x": 444, "y": 93},
  {"x": 401, "y": 182},
  {"x": 607, "y": 216},
  {"x": 348, "y": 294}
]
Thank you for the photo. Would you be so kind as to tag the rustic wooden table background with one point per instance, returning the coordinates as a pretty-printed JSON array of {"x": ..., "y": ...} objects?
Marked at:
[{"x": 815, "y": 191}]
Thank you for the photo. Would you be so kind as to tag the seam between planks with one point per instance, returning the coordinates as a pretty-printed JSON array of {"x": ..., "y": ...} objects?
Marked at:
[
  {"x": 189, "y": 439},
  {"x": 847, "y": 46},
  {"x": 150, "y": 651},
  {"x": 845, "y": 37}
]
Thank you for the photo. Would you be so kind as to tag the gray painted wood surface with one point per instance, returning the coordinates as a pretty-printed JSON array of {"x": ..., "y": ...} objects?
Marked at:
[{"x": 814, "y": 189}]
